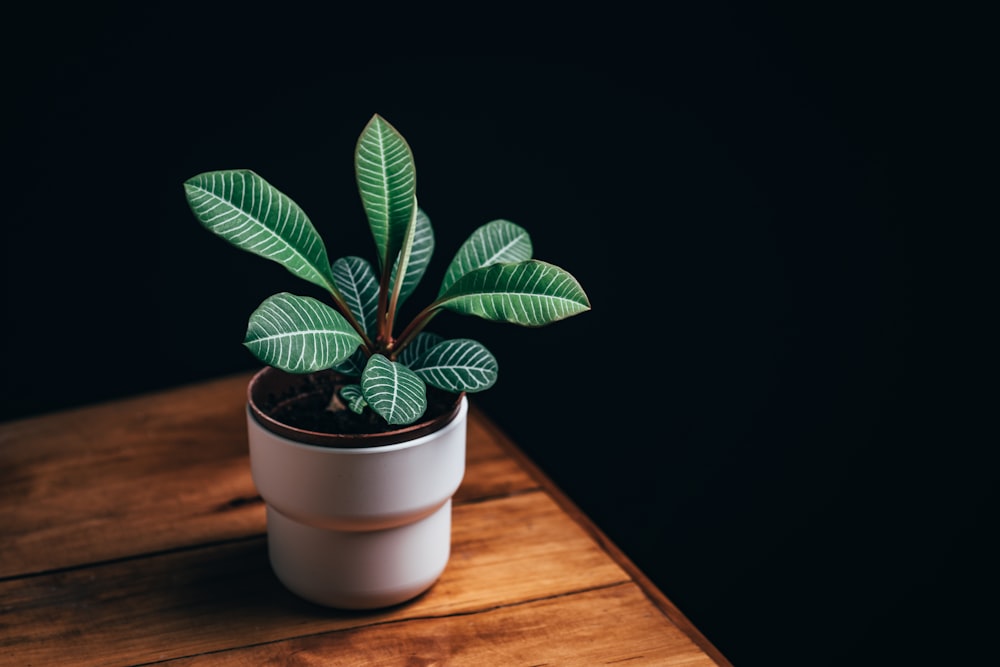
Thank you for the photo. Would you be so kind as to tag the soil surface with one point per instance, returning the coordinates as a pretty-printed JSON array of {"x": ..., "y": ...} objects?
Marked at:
[{"x": 312, "y": 403}]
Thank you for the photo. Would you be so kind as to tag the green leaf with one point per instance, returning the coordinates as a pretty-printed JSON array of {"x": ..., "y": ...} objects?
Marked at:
[
  {"x": 354, "y": 398},
  {"x": 354, "y": 365},
  {"x": 420, "y": 257},
  {"x": 358, "y": 284},
  {"x": 299, "y": 334},
  {"x": 387, "y": 180},
  {"x": 253, "y": 215},
  {"x": 393, "y": 390},
  {"x": 457, "y": 365},
  {"x": 495, "y": 242},
  {"x": 423, "y": 341},
  {"x": 530, "y": 293}
]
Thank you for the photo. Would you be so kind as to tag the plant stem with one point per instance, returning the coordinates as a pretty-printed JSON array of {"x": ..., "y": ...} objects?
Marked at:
[
  {"x": 384, "y": 335},
  {"x": 415, "y": 326},
  {"x": 402, "y": 263}
]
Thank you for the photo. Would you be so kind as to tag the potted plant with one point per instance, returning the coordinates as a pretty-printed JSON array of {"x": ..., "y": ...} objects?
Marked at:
[{"x": 356, "y": 425}]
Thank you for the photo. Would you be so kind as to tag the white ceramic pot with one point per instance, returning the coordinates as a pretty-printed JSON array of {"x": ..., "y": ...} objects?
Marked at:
[{"x": 359, "y": 527}]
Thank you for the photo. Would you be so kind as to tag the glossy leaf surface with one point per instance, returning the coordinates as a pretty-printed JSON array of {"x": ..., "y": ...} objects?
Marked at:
[
  {"x": 253, "y": 215},
  {"x": 299, "y": 334},
  {"x": 393, "y": 391},
  {"x": 420, "y": 256},
  {"x": 354, "y": 399},
  {"x": 423, "y": 342},
  {"x": 529, "y": 293},
  {"x": 387, "y": 181},
  {"x": 358, "y": 284},
  {"x": 500, "y": 241},
  {"x": 354, "y": 365},
  {"x": 456, "y": 365}
]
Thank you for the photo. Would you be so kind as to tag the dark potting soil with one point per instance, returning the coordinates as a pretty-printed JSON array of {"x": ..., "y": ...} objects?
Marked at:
[{"x": 310, "y": 405}]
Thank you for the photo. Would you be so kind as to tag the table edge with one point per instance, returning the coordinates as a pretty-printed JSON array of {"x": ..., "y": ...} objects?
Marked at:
[{"x": 655, "y": 595}]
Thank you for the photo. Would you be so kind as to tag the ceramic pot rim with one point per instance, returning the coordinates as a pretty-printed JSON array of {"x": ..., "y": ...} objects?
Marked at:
[{"x": 259, "y": 385}]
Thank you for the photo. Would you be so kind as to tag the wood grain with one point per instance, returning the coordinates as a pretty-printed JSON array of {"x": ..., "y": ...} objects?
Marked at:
[
  {"x": 587, "y": 634},
  {"x": 132, "y": 534},
  {"x": 505, "y": 551},
  {"x": 136, "y": 477}
]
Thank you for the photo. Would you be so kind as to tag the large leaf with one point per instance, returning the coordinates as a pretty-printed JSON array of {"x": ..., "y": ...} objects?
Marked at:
[
  {"x": 493, "y": 243},
  {"x": 358, "y": 284},
  {"x": 529, "y": 293},
  {"x": 299, "y": 334},
  {"x": 253, "y": 215},
  {"x": 387, "y": 182},
  {"x": 420, "y": 256},
  {"x": 393, "y": 391},
  {"x": 424, "y": 341},
  {"x": 456, "y": 365}
]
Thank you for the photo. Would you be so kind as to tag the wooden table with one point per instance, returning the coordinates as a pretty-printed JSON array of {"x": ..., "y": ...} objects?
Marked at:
[{"x": 132, "y": 534}]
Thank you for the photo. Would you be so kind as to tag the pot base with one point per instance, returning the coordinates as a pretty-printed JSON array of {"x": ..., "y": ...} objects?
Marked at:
[{"x": 359, "y": 569}]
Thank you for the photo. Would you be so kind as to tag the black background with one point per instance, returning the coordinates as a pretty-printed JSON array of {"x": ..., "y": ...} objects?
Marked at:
[{"x": 755, "y": 409}]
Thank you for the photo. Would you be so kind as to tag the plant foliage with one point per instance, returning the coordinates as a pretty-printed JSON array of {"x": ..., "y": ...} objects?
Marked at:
[{"x": 492, "y": 276}]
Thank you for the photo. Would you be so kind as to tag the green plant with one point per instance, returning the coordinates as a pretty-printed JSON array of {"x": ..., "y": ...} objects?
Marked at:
[{"x": 492, "y": 276}]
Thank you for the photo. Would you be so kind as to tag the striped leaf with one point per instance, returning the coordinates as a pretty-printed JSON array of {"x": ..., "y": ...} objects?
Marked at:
[
  {"x": 530, "y": 293},
  {"x": 387, "y": 182},
  {"x": 420, "y": 256},
  {"x": 358, "y": 284},
  {"x": 354, "y": 398},
  {"x": 354, "y": 365},
  {"x": 253, "y": 215},
  {"x": 299, "y": 334},
  {"x": 457, "y": 365},
  {"x": 495, "y": 242},
  {"x": 393, "y": 391},
  {"x": 423, "y": 341}
]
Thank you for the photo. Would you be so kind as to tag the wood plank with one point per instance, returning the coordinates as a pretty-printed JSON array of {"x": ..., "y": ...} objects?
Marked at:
[
  {"x": 581, "y": 629},
  {"x": 156, "y": 473},
  {"x": 490, "y": 471},
  {"x": 132, "y": 529},
  {"x": 505, "y": 551}
]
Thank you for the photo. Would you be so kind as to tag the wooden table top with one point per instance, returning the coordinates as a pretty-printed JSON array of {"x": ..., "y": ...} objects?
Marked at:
[{"x": 132, "y": 534}]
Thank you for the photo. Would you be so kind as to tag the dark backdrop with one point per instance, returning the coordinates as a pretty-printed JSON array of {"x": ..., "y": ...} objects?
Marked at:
[{"x": 745, "y": 410}]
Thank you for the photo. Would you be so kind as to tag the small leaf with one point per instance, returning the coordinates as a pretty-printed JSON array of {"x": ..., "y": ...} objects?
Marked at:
[
  {"x": 529, "y": 293},
  {"x": 457, "y": 365},
  {"x": 253, "y": 215},
  {"x": 358, "y": 284},
  {"x": 386, "y": 178},
  {"x": 393, "y": 390},
  {"x": 420, "y": 257},
  {"x": 354, "y": 398},
  {"x": 423, "y": 341},
  {"x": 354, "y": 365},
  {"x": 299, "y": 334},
  {"x": 495, "y": 242}
]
